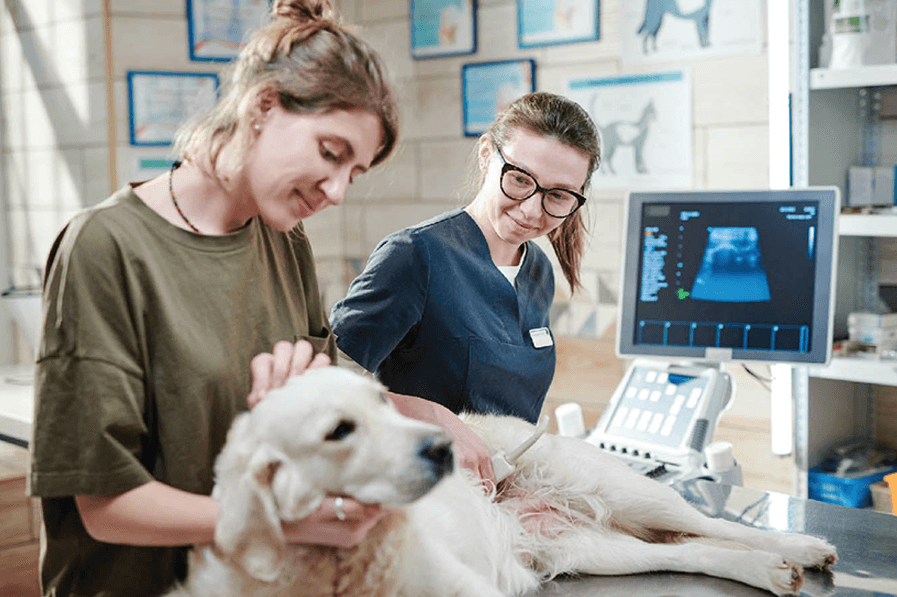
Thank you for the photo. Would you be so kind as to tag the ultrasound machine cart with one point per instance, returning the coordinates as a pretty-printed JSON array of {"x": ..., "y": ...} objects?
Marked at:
[{"x": 711, "y": 277}]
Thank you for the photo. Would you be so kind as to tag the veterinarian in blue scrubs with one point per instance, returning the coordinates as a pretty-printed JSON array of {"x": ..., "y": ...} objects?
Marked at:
[
  {"x": 157, "y": 300},
  {"x": 456, "y": 309}
]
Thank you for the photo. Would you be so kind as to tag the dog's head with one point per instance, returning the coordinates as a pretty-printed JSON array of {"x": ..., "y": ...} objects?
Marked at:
[{"x": 327, "y": 431}]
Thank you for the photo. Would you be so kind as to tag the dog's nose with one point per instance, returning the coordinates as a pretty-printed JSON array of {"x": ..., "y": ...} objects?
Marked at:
[{"x": 438, "y": 452}]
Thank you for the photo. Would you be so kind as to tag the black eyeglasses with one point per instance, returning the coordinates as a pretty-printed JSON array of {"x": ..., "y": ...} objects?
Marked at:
[{"x": 518, "y": 184}]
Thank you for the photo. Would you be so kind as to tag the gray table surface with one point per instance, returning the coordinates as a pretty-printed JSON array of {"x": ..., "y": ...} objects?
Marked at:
[{"x": 866, "y": 543}]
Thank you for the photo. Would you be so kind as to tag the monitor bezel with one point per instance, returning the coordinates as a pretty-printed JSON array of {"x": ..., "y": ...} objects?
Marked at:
[{"x": 823, "y": 292}]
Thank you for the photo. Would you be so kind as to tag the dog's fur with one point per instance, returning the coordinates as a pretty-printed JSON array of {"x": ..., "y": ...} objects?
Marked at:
[{"x": 567, "y": 508}]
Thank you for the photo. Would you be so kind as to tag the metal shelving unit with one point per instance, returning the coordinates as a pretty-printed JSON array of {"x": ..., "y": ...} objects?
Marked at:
[{"x": 836, "y": 124}]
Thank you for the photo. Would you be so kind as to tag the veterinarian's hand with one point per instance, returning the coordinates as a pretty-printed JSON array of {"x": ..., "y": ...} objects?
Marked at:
[
  {"x": 471, "y": 451},
  {"x": 270, "y": 370},
  {"x": 345, "y": 527}
]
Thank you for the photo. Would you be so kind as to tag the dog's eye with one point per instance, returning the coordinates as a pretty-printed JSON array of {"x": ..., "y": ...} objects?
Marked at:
[{"x": 343, "y": 429}]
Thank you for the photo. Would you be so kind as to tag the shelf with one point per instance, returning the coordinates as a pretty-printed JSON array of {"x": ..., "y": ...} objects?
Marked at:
[
  {"x": 878, "y": 75},
  {"x": 868, "y": 225},
  {"x": 859, "y": 370}
]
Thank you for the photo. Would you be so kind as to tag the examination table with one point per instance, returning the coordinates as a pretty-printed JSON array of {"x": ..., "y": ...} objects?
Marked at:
[{"x": 866, "y": 541}]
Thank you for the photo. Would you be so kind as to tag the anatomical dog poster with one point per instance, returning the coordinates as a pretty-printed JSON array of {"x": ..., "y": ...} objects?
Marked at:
[
  {"x": 646, "y": 128},
  {"x": 670, "y": 30}
]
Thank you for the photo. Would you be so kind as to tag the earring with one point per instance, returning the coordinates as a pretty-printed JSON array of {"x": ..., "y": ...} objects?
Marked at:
[{"x": 257, "y": 127}]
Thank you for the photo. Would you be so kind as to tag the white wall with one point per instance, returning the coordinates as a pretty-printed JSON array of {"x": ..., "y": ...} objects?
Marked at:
[{"x": 53, "y": 133}]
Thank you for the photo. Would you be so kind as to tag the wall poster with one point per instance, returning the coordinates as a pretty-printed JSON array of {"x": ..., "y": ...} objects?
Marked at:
[
  {"x": 219, "y": 28},
  {"x": 443, "y": 28},
  {"x": 159, "y": 102},
  {"x": 670, "y": 30},
  {"x": 645, "y": 123},
  {"x": 488, "y": 88},
  {"x": 547, "y": 22}
]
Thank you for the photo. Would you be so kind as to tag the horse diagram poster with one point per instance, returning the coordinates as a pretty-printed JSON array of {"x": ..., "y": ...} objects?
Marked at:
[
  {"x": 646, "y": 128},
  {"x": 669, "y": 30},
  {"x": 219, "y": 28}
]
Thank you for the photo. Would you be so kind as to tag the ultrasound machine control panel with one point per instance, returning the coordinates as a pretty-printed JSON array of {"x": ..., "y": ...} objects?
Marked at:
[{"x": 662, "y": 416}]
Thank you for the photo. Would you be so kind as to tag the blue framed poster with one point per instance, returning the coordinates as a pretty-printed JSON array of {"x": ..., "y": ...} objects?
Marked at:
[
  {"x": 160, "y": 101},
  {"x": 443, "y": 28},
  {"x": 219, "y": 28},
  {"x": 549, "y": 22},
  {"x": 488, "y": 88}
]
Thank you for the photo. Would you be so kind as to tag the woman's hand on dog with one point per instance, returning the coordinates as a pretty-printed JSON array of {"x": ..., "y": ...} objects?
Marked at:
[
  {"x": 270, "y": 370},
  {"x": 347, "y": 525},
  {"x": 343, "y": 527},
  {"x": 471, "y": 451}
]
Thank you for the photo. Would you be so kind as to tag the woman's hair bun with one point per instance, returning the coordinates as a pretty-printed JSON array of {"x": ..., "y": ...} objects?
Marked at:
[{"x": 302, "y": 10}]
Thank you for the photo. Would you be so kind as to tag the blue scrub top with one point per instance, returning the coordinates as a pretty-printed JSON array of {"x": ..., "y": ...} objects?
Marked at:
[{"x": 434, "y": 317}]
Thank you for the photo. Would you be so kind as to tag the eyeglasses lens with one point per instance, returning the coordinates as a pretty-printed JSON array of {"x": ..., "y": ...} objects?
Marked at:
[{"x": 556, "y": 202}]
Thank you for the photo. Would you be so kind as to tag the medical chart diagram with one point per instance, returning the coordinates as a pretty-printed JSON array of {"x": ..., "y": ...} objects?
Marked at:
[
  {"x": 667, "y": 30},
  {"x": 645, "y": 126},
  {"x": 547, "y": 22},
  {"x": 219, "y": 28},
  {"x": 489, "y": 87},
  {"x": 160, "y": 102},
  {"x": 442, "y": 28}
]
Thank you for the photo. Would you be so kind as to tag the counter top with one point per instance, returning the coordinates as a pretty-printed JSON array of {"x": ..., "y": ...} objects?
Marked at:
[
  {"x": 866, "y": 541},
  {"x": 16, "y": 403}
]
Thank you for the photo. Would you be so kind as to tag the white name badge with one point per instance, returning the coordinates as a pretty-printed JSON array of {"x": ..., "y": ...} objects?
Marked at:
[{"x": 541, "y": 337}]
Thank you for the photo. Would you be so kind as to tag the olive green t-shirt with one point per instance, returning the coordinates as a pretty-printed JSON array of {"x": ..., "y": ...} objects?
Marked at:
[{"x": 143, "y": 365}]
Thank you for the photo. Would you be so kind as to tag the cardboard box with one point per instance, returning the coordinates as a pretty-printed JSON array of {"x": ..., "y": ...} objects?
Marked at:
[
  {"x": 872, "y": 320},
  {"x": 884, "y": 337},
  {"x": 891, "y": 480},
  {"x": 860, "y": 186},
  {"x": 881, "y": 497},
  {"x": 871, "y": 186},
  {"x": 883, "y": 190},
  {"x": 882, "y": 32}
]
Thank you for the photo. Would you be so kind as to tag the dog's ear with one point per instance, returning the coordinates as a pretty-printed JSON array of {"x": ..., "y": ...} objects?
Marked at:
[{"x": 248, "y": 530}]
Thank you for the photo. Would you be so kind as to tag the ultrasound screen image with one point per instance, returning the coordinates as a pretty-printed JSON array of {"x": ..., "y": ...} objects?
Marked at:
[{"x": 732, "y": 267}]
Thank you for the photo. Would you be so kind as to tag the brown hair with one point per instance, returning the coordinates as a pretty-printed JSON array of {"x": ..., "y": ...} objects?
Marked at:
[
  {"x": 563, "y": 119},
  {"x": 312, "y": 62}
]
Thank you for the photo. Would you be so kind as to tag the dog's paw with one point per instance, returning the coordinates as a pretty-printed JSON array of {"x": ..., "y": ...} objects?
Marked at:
[
  {"x": 785, "y": 578},
  {"x": 809, "y": 552}
]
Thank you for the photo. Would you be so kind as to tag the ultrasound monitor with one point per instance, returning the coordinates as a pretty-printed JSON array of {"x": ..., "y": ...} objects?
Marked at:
[
  {"x": 729, "y": 275},
  {"x": 711, "y": 277}
]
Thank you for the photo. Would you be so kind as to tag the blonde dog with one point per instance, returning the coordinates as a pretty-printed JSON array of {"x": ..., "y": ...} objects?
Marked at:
[{"x": 567, "y": 508}]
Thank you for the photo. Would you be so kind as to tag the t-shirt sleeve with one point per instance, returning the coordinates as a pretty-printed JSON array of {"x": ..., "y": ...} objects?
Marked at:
[
  {"x": 90, "y": 431},
  {"x": 384, "y": 302},
  {"x": 320, "y": 336}
]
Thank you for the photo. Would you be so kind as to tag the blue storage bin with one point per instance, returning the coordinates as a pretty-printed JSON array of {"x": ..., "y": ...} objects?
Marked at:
[{"x": 852, "y": 492}]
